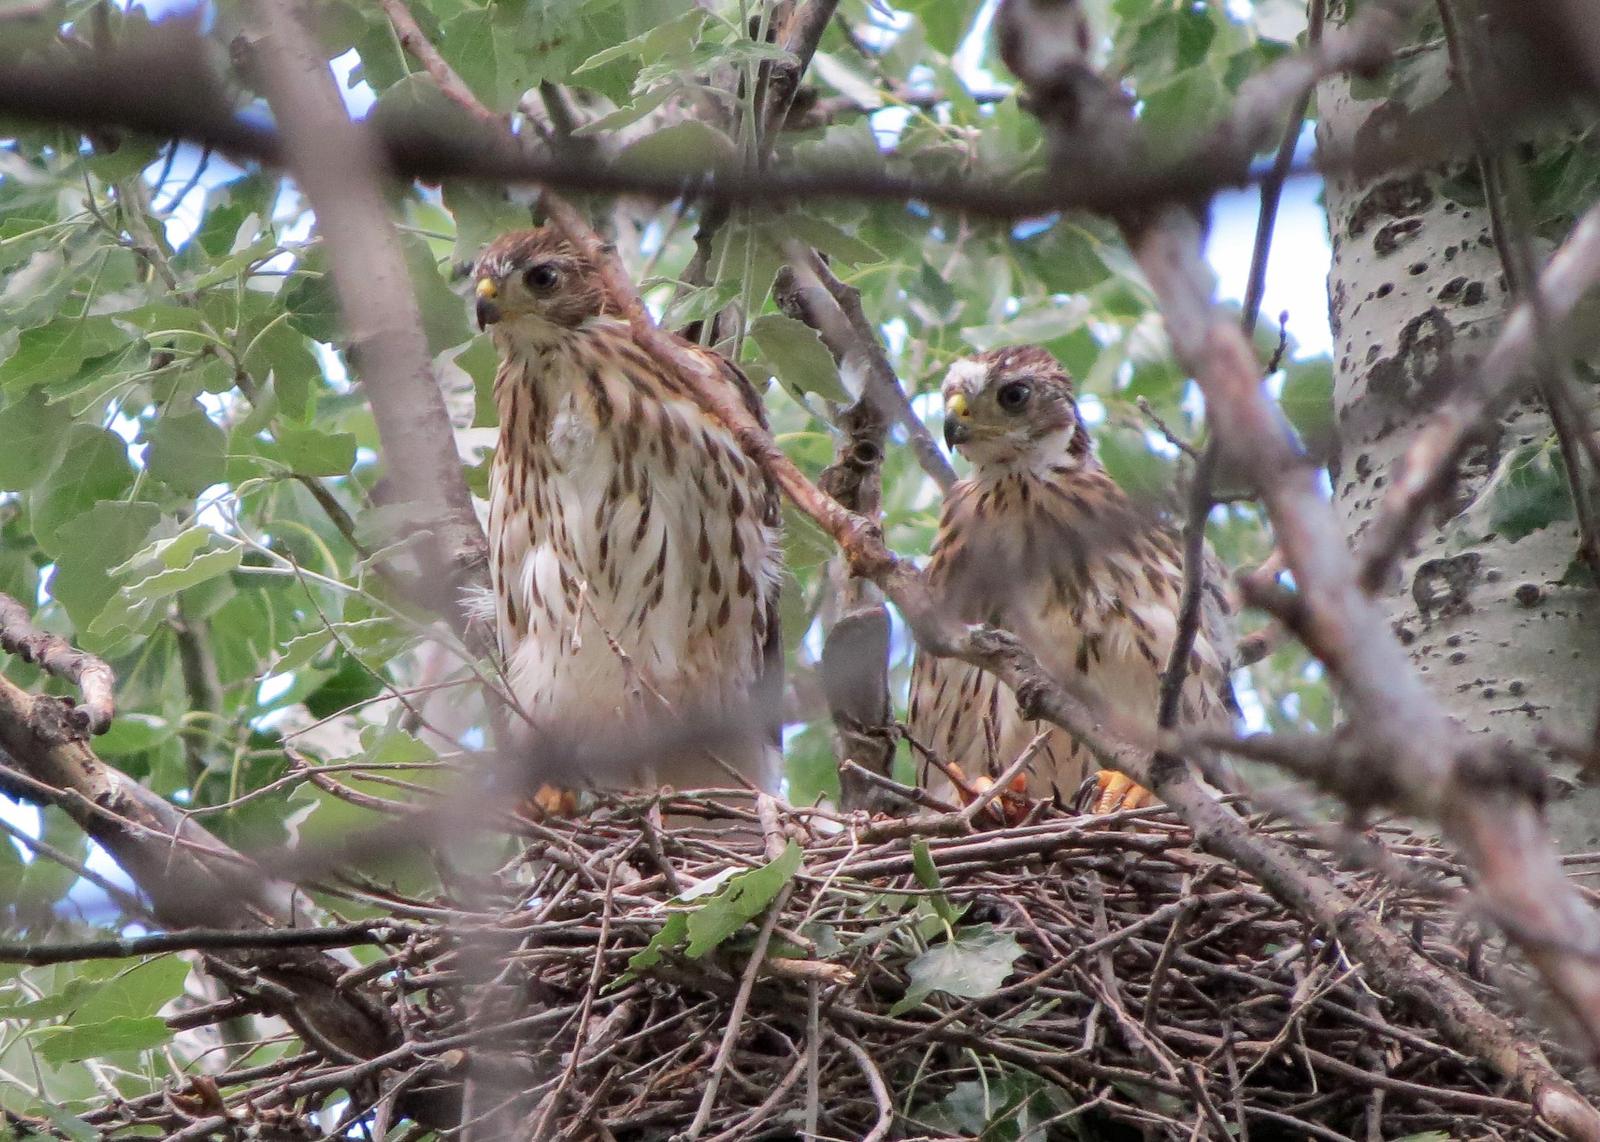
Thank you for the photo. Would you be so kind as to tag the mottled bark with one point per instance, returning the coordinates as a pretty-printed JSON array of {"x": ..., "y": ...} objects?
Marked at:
[{"x": 1416, "y": 293}]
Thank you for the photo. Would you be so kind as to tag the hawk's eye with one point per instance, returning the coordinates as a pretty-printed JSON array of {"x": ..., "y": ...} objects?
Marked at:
[
  {"x": 1013, "y": 397},
  {"x": 542, "y": 278}
]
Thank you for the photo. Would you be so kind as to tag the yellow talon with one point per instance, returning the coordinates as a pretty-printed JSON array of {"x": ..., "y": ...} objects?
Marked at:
[{"x": 1114, "y": 791}]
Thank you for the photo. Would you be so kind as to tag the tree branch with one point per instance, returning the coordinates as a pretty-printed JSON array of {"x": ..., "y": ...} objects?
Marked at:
[
  {"x": 55, "y": 655},
  {"x": 161, "y": 84},
  {"x": 209, "y": 939},
  {"x": 337, "y": 164}
]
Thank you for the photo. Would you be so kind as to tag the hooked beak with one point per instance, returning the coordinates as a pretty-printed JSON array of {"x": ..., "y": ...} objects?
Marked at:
[
  {"x": 957, "y": 421},
  {"x": 488, "y": 308}
]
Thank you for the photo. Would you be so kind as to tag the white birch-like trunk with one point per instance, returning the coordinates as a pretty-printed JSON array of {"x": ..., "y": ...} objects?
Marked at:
[{"x": 1416, "y": 295}]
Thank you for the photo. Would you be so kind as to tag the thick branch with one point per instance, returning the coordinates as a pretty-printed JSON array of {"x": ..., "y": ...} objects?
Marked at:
[
  {"x": 191, "y": 878},
  {"x": 162, "y": 85}
]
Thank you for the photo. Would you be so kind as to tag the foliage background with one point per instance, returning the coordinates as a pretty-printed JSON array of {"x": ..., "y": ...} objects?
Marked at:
[{"x": 188, "y": 481}]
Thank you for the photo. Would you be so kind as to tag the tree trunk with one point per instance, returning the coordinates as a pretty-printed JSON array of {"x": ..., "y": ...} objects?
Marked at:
[{"x": 1417, "y": 293}]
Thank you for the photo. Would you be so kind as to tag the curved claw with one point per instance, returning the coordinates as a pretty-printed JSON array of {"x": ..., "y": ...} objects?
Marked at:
[{"x": 1113, "y": 792}]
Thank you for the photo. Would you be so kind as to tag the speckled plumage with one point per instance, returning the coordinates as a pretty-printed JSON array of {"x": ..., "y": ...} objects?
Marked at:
[
  {"x": 634, "y": 549},
  {"x": 1041, "y": 541}
]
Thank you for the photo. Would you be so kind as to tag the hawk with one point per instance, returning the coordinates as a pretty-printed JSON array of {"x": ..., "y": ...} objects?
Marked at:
[
  {"x": 633, "y": 546},
  {"x": 1040, "y": 540}
]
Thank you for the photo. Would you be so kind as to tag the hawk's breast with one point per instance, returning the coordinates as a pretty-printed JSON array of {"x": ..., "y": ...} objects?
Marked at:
[{"x": 632, "y": 561}]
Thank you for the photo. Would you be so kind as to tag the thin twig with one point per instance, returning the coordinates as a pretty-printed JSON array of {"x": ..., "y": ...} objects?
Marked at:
[
  {"x": 199, "y": 939},
  {"x": 741, "y": 1000}
]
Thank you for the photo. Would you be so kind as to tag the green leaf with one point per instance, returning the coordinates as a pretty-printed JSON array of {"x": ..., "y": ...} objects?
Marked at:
[
  {"x": 672, "y": 935},
  {"x": 309, "y": 298},
  {"x": 1055, "y": 319},
  {"x": 302, "y": 649},
  {"x": 945, "y": 21},
  {"x": 94, "y": 466},
  {"x": 744, "y": 898},
  {"x": 312, "y": 452},
  {"x": 973, "y": 964},
  {"x": 351, "y": 683},
  {"x": 133, "y": 733},
  {"x": 281, "y": 355},
  {"x": 628, "y": 112},
  {"x": 690, "y": 145},
  {"x": 444, "y": 315},
  {"x": 93, "y": 1040},
  {"x": 187, "y": 451},
  {"x": 32, "y": 437},
  {"x": 138, "y": 991},
  {"x": 798, "y": 356},
  {"x": 830, "y": 239},
  {"x": 70, "y": 1125},
  {"x": 1527, "y": 491},
  {"x": 480, "y": 362},
  {"x": 54, "y": 353},
  {"x": 1307, "y": 400},
  {"x": 928, "y": 876},
  {"x": 133, "y": 607},
  {"x": 206, "y": 565},
  {"x": 674, "y": 37},
  {"x": 90, "y": 547},
  {"x": 52, "y": 1004},
  {"x": 467, "y": 42},
  {"x": 1182, "y": 111}
]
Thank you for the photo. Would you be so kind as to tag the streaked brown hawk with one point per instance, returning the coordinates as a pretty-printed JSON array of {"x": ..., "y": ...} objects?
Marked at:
[
  {"x": 1040, "y": 540},
  {"x": 634, "y": 547}
]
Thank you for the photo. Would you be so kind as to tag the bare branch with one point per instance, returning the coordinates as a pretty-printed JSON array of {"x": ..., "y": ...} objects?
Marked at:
[
  {"x": 338, "y": 165},
  {"x": 56, "y": 656},
  {"x": 856, "y": 344},
  {"x": 162, "y": 85}
]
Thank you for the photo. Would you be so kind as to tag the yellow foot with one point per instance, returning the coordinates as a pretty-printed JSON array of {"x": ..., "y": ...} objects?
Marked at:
[
  {"x": 549, "y": 801},
  {"x": 1113, "y": 791},
  {"x": 1010, "y": 806}
]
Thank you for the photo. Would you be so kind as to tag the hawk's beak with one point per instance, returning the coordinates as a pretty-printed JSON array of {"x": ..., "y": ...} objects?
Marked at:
[
  {"x": 957, "y": 421},
  {"x": 488, "y": 308}
]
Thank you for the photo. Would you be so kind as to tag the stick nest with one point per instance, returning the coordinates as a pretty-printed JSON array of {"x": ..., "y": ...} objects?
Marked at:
[{"x": 1073, "y": 977}]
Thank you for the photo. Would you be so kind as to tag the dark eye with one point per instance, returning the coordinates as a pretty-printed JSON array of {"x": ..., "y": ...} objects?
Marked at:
[
  {"x": 542, "y": 278},
  {"x": 1013, "y": 397}
]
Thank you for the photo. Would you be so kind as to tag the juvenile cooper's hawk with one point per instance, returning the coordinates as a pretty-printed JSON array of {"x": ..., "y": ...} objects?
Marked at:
[
  {"x": 1040, "y": 540},
  {"x": 634, "y": 548}
]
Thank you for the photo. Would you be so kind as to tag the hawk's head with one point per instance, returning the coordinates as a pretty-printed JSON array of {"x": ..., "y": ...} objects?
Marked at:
[
  {"x": 1013, "y": 406},
  {"x": 528, "y": 277}
]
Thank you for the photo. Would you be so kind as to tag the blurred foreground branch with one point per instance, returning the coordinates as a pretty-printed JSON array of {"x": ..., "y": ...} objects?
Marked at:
[{"x": 161, "y": 84}]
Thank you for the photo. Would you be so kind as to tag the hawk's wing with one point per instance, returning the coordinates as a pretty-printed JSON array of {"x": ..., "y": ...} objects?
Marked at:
[
  {"x": 1094, "y": 589},
  {"x": 767, "y": 694}
]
